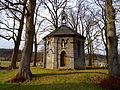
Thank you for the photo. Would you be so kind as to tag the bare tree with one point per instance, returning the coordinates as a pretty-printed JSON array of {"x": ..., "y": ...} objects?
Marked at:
[
  {"x": 16, "y": 38},
  {"x": 102, "y": 25},
  {"x": 91, "y": 37},
  {"x": 24, "y": 72},
  {"x": 114, "y": 69},
  {"x": 77, "y": 16},
  {"x": 82, "y": 20},
  {"x": 54, "y": 10},
  {"x": 38, "y": 23},
  {"x": 36, "y": 42}
]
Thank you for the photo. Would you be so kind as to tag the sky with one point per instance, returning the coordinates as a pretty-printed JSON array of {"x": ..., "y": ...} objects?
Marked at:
[
  {"x": 6, "y": 44},
  {"x": 9, "y": 44}
]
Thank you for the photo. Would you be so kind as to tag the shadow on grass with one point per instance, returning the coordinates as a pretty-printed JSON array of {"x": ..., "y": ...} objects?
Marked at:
[
  {"x": 68, "y": 73},
  {"x": 56, "y": 85},
  {"x": 60, "y": 86}
]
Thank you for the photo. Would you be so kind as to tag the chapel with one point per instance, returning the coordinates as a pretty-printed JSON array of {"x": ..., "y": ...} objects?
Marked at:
[{"x": 64, "y": 48}]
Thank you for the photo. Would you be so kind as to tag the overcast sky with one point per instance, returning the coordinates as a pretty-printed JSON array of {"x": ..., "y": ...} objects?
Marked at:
[{"x": 6, "y": 44}]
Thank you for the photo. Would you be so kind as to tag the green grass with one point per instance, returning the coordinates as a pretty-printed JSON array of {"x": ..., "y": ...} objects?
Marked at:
[
  {"x": 45, "y": 79},
  {"x": 2, "y": 59},
  {"x": 4, "y": 63},
  {"x": 7, "y": 63}
]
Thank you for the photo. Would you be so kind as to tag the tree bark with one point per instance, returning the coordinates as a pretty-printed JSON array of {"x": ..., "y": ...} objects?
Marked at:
[
  {"x": 114, "y": 67},
  {"x": 24, "y": 72},
  {"x": 106, "y": 48}
]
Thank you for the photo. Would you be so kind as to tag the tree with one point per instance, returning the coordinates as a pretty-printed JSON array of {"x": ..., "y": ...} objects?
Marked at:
[
  {"x": 77, "y": 17},
  {"x": 24, "y": 72},
  {"x": 114, "y": 67},
  {"x": 54, "y": 10},
  {"x": 37, "y": 27},
  {"x": 36, "y": 42},
  {"x": 83, "y": 21},
  {"x": 18, "y": 39},
  {"x": 102, "y": 26},
  {"x": 15, "y": 12}
]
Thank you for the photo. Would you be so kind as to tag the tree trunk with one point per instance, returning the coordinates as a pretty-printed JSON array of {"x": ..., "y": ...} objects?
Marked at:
[
  {"x": 14, "y": 56},
  {"x": 24, "y": 72},
  {"x": 107, "y": 59},
  {"x": 114, "y": 67},
  {"x": 90, "y": 59},
  {"x": 17, "y": 43},
  {"x": 90, "y": 54},
  {"x": 35, "y": 56},
  {"x": 106, "y": 48}
]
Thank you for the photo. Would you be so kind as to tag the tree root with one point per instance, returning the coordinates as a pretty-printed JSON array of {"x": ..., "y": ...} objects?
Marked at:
[
  {"x": 11, "y": 68},
  {"x": 22, "y": 76},
  {"x": 17, "y": 79},
  {"x": 112, "y": 83}
]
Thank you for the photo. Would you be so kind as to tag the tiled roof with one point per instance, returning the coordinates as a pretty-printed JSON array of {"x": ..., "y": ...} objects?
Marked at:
[{"x": 64, "y": 31}]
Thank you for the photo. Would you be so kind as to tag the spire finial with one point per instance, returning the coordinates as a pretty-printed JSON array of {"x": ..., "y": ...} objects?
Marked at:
[{"x": 63, "y": 17}]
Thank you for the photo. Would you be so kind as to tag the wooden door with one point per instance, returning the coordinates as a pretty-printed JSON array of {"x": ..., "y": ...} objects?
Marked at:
[{"x": 63, "y": 59}]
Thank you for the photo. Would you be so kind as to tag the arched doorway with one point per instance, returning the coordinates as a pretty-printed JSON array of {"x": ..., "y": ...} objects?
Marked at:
[{"x": 63, "y": 59}]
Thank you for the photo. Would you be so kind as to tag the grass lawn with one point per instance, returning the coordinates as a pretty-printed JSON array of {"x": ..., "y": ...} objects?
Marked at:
[
  {"x": 4, "y": 63},
  {"x": 45, "y": 79}
]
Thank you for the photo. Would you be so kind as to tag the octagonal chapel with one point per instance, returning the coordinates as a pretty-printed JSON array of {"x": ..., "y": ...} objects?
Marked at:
[{"x": 64, "y": 48}]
